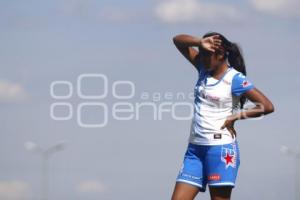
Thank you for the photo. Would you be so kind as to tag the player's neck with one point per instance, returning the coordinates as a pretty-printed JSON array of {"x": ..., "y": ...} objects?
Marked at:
[{"x": 219, "y": 71}]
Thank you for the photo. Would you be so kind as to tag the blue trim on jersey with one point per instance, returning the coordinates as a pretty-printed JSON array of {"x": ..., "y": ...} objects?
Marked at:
[
  {"x": 205, "y": 78},
  {"x": 240, "y": 84},
  {"x": 199, "y": 67}
]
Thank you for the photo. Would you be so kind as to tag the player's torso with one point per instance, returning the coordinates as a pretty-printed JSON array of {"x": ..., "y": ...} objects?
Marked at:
[{"x": 214, "y": 102}]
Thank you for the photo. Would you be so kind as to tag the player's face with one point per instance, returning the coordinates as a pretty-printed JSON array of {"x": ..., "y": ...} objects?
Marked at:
[{"x": 211, "y": 60}]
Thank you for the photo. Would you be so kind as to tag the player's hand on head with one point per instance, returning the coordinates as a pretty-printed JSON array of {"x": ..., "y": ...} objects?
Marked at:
[
  {"x": 229, "y": 124},
  {"x": 211, "y": 43}
]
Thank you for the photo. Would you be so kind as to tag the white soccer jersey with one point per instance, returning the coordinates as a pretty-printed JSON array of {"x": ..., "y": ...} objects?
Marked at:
[{"x": 215, "y": 100}]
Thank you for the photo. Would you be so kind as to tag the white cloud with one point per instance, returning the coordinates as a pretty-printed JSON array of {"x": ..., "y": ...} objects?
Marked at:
[
  {"x": 91, "y": 186},
  {"x": 287, "y": 8},
  {"x": 175, "y": 11},
  {"x": 14, "y": 190},
  {"x": 10, "y": 91}
]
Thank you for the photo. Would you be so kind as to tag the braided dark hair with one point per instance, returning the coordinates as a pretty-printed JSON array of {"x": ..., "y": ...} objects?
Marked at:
[{"x": 234, "y": 56}]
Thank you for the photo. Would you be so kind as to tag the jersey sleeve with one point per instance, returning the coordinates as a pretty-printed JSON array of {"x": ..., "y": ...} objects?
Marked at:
[{"x": 240, "y": 84}]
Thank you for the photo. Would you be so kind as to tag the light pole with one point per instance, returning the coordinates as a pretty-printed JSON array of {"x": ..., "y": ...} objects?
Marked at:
[
  {"x": 296, "y": 156},
  {"x": 45, "y": 154}
]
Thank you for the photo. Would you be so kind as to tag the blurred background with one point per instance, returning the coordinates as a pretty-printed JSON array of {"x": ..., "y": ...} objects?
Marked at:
[{"x": 43, "y": 42}]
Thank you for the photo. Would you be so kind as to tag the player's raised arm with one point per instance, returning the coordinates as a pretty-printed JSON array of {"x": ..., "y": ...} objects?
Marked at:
[{"x": 185, "y": 43}]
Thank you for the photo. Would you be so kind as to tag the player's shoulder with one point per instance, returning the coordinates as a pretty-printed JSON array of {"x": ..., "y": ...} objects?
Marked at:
[
  {"x": 240, "y": 84},
  {"x": 238, "y": 77},
  {"x": 231, "y": 74}
]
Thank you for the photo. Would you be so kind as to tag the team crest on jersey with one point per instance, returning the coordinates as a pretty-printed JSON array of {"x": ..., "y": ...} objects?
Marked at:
[
  {"x": 228, "y": 156},
  {"x": 246, "y": 83}
]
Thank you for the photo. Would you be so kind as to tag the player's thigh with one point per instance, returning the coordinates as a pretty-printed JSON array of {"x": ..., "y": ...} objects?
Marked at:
[
  {"x": 221, "y": 165},
  {"x": 184, "y": 191},
  {"x": 220, "y": 192}
]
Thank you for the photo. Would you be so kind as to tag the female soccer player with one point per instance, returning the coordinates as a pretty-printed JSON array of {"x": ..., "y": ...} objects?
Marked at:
[{"x": 212, "y": 156}]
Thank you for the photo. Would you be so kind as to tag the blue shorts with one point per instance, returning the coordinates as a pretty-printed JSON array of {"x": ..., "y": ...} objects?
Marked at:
[{"x": 215, "y": 165}]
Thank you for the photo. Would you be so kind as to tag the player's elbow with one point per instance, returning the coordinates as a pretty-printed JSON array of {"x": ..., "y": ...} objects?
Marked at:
[
  {"x": 178, "y": 38},
  {"x": 175, "y": 39},
  {"x": 268, "y": 108}
]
